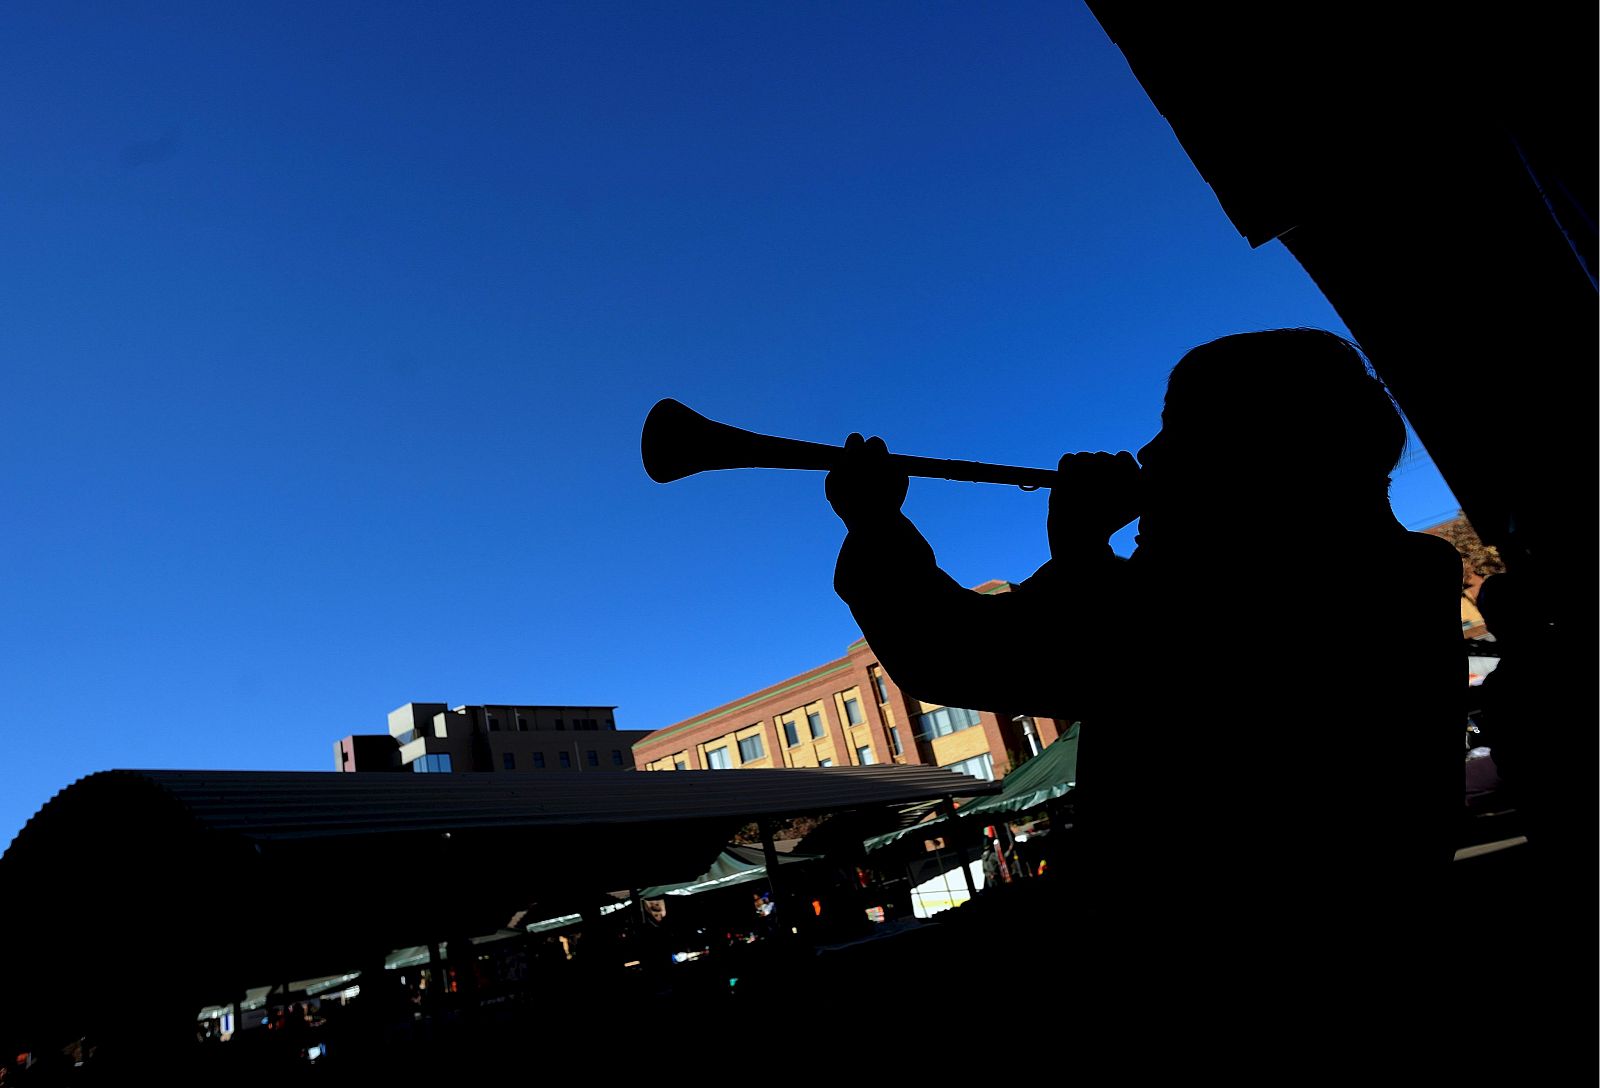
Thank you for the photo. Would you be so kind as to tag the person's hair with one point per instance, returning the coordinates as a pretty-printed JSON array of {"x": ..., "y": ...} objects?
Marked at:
[{"x": 1326, "y": 401}]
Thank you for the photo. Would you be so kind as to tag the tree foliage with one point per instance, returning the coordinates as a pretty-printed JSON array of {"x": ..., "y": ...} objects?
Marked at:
[
  {"x": 1477, "y": 558},
  {"x": 797, "y": 827}
]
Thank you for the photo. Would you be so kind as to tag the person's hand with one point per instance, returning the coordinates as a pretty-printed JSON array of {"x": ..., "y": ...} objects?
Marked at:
[
  {"x": 864, "y": 486},
  {"x": 1095, "y": 495}
]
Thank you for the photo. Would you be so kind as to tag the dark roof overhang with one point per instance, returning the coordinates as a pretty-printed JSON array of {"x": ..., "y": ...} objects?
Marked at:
[{"x": 206, "y": 880}]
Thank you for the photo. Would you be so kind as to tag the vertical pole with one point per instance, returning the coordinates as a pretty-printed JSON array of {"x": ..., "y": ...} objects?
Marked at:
[
  {"x": 960, "y": 845},
  {"x": 644, "y": 942},
  {"x": 781, "y": 910},
  {"x": 769, "y": 851},
  {"x": 944, "y": 876},
  {"x": 430, "y": 1000}
]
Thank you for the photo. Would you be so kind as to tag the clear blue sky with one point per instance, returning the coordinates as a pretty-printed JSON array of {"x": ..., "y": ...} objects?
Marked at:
[{"x": 328, "y": 331}]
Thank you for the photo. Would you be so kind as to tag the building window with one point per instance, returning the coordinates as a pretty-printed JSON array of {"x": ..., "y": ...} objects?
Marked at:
[
  {"x": 522, "y": 724},
  {"x": 852, "y": 712},
  {"x": 717, "y": 759},
  {"x": 560, "y": 724},
  {"x": 946, "y": 720},
  {"x": 508, "y": 761},
  {"x": 894, "y": 740},
  {"x": 824, "y": 763},
  {"x": 864, "y": 755},
  {"x": 432, "y": 764},
  {"x": 818, "y": 731},
  {"x": 616, "y": 757},
  {"x": 611, "y": 725},
  {"x": 877, "y": 682},
  {"x": 494, "y": 724},
  {"x": 791, "y": 733},
  {"x": 751, "y": 748},
  {"x": 592, "y": 757},
  {"x": 979, "y": 766},
  {"x": 566, "y": 759},
  {"x": 538, "y": 760},
  {"x": 679, "y": 765}
]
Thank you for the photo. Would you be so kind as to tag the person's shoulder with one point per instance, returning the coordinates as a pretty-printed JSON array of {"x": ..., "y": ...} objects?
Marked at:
[
  {"x": 1428, "y": 544},
  {"x": 1426, "y": 563},
  {"x": 1095, "y": 569},
  {"x": 1425, "y": 549}
]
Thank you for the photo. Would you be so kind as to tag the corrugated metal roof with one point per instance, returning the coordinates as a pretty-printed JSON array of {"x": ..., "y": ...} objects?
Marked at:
[
  {"x": 227, "y": 876},
  {"x": 279, "y": 805}
]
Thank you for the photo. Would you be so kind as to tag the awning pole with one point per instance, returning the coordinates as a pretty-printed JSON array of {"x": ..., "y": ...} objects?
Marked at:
[
  {"x": 961, "y": 845},
  {"x": 769, "y": 851},
  {"x": 430, "y": 1000}
]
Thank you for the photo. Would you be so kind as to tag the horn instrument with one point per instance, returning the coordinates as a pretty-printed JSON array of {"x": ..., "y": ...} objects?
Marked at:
[{"x": 678, "y": 442}]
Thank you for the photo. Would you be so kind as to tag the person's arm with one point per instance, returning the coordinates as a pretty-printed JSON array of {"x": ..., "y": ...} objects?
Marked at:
[{"x": 1033, "y": 650}]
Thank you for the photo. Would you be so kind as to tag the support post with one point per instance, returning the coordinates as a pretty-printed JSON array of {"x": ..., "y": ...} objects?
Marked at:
[
  {"x": 769, "y": 851},
  {"x": 960, "y": 844}
]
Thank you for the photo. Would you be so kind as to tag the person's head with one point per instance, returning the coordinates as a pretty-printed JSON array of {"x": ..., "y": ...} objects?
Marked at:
[{"x": 1283, "y": 416}]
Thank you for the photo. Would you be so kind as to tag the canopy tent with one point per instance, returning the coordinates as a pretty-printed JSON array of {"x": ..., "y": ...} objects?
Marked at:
[
  {"x": 735, "y": 865},
  {"x": 567, "y": 921},
  {"x": 1050, "y": 774},
  {"x": 259, "y": 997}
]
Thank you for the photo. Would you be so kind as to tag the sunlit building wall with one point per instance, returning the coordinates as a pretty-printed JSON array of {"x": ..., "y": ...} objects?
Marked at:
[{"x": 846, "y": 712}]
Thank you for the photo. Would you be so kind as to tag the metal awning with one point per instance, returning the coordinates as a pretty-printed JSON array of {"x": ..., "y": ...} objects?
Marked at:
[{"x": 226, "y": 877}]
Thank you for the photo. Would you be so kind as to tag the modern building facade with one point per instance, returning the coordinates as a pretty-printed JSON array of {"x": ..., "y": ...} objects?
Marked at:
[
  {"x": 435, "y": 737},
  {"x": 847, "y": 712}
]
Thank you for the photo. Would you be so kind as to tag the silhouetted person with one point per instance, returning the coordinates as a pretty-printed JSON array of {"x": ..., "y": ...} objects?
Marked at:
[
  {"x": 1271, "y": 599},
  {"x": 991, "y": 866}
]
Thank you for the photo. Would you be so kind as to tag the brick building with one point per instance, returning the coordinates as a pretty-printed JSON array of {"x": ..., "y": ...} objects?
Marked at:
[
  {"x": 847, "y": 712},
  {"x": 429, "y": 737}
]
